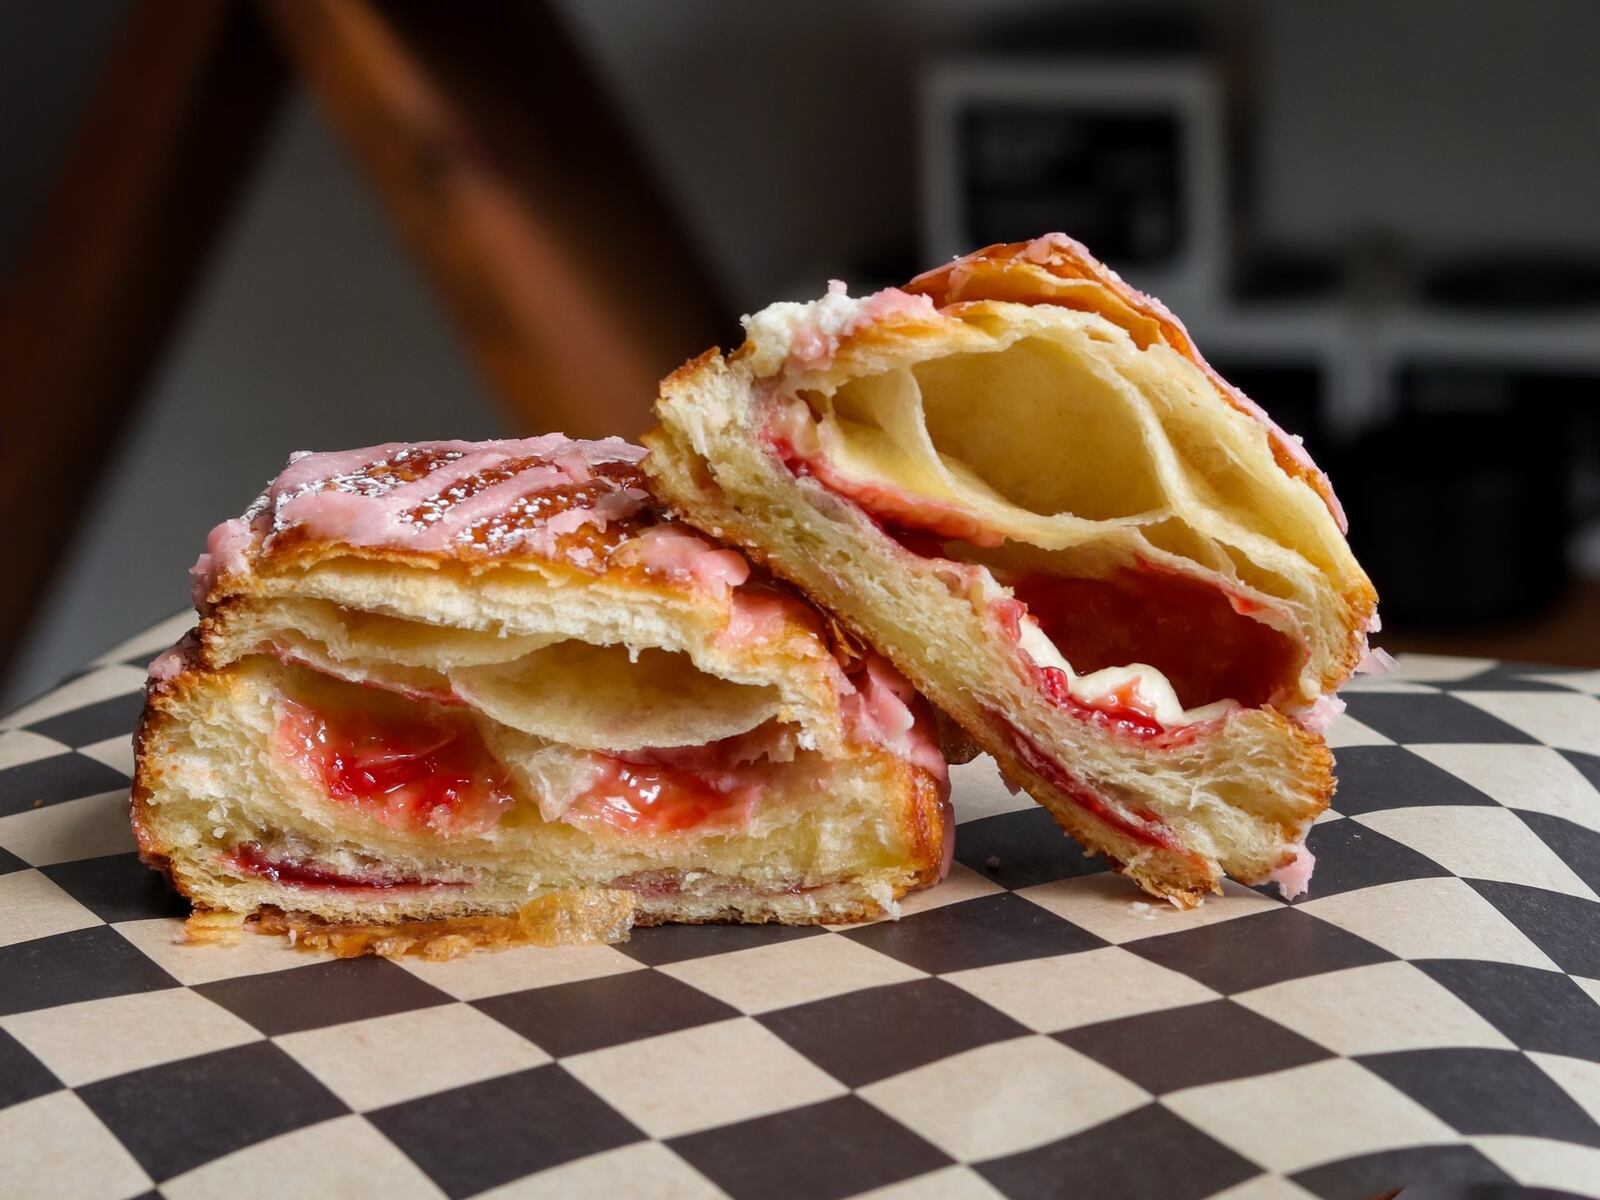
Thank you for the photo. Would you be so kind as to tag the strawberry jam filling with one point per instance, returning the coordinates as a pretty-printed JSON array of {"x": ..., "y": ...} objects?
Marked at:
[
  {"x": 1123, "y": 710},
  {"x": 251, "y": 859},
  {"x": 1206, "y": 641},
  {"x": 1135, "y": 823},
  {"x": 888, "y": 504},
  {"x": 701, "y": 789},
  {"x": 1192, "y": 632},
  {"x": 422, "y": 769},
  {"x": 411, "y": 766},
  {"x": 637, "y": 797}
]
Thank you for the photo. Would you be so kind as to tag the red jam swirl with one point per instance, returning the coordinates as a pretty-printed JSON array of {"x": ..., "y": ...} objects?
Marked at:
[
  {"x": 886, "y": 503},
  {"x": 655, "y": 800},
  {"x": 410, "y": 766},
  {"x": 421, "y": 769},
  {"x": 709, "y": 788},
  {"x": 1196, "y": 634},
  {"x": 250, "y": 859},
  {"x": 1208, "y": 641},
  {"x": 1137, "y": 824},
  {"x": 1122, "y": 711}
]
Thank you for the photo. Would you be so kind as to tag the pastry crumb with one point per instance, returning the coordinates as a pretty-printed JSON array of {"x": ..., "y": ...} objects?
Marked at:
[{"x": 213, "y": 928}]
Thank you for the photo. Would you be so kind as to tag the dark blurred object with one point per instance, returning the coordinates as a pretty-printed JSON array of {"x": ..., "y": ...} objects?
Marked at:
[
  {"x": 1113, "y": 178},
  {"x": 1462, "y": 511},
  {"x": 493, "y": 146},
  {"x": 1526, "y": 399},
  {"x": 1123, "y": 154},
  {"x": 1514, "y": 281},
  {"x": 1271, "y": 274},
  {"x": 1461, "y": 516},
  {"x": 1565, "y": 634}
]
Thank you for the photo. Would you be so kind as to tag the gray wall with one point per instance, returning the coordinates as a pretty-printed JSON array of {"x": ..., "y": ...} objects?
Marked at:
[
  {"x": 787, "y": 131},
  {"x": 786, "y": 134},
  {"x": 1445, "y": 124}
]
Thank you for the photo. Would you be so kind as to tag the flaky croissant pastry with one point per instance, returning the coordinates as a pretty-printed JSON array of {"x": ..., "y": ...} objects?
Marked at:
[
  {"x": 444, "y": 682},
  {"x": 1019, "y": 480}
]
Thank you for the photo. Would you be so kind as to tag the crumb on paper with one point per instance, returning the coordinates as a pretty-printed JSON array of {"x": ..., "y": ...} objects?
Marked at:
[
  {"x": 992, "y": 862},
  {"x": 1142, "y": 910},
  {"x": 213, "y": 928},
  {"x": 885, "y": 897},
  {"x": 579, "y": 917}
]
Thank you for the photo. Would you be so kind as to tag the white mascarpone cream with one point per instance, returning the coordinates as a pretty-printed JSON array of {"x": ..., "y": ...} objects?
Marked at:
[
  {"x": 1100, "y": 688},
  {"x": 808, "y": 333},
  {"x": 1154, "y": 692}
]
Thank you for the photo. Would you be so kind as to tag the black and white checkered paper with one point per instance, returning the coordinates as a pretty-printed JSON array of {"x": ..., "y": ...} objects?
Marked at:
[{"x": 1032, "y": 1027}]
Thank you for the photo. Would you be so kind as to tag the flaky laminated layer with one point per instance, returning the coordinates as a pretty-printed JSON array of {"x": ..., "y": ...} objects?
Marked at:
[
  {"x": 435, "y": 681},
  {"x": 1056, "y": 269},
  {"x": 1018, "y": 479},
  {"x": 1042, "y": 413},
  {"x": 241, "y": 827},
  {"x": 473, "y": 570}
]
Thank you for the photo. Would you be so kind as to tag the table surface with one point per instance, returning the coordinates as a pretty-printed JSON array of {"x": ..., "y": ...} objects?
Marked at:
[{"x": 1032, "y": 1027}]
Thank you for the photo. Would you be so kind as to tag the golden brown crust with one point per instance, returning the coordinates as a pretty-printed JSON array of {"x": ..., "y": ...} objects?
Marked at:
[
  {"x": 594, "y": 916},
  {"x": 277, "y": 547},
  {"x": 1360, "y": 605},
  {"x": 146, "y": 778},
  {"x": 581, "y": 917},
  {"x": 208, "y": 927},
  {"x": 687, "y": 372},
  {"x": 1183, "y": 879},
  {"x": 930, "y": 827},
  {"x": 1056, "y": 269},
  {"x": 517, "y": 532}
]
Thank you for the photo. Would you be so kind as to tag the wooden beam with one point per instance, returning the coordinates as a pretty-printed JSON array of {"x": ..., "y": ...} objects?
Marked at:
[
  {"x": 507, "y": 172},
  {"x": 180, "y": 107}
]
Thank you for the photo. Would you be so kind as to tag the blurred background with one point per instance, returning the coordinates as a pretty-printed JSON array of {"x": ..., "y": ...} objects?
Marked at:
[{"x": 231, "y": 230}]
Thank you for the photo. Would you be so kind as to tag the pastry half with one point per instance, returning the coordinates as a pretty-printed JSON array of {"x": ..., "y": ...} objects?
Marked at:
[
  {"x": 478, "y": 684},
  {"x": 1019, "y": 480}
]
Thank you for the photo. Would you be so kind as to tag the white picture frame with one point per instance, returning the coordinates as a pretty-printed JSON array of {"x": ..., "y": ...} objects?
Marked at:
[{"x": 1196, "y": 275}]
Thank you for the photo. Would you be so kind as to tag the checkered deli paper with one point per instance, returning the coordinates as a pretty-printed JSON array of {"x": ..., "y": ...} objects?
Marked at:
[{"x": 1032, "y": 1027}]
